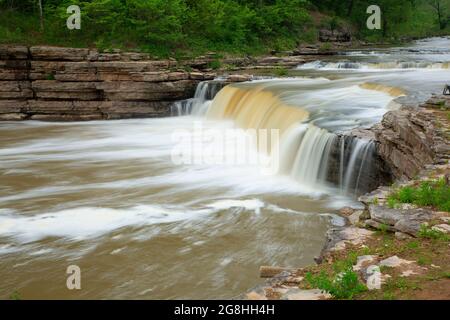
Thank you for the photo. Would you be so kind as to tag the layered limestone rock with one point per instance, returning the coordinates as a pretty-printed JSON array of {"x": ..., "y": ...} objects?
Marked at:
[
  {"x": 411, "y": 138},
  {"x": 62, "y": 84}
]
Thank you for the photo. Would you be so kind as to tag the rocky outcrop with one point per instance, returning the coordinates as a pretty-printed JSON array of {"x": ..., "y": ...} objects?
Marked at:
[
  {"x": 62, "y": 84},
  {"x": 410, "y": 138}
]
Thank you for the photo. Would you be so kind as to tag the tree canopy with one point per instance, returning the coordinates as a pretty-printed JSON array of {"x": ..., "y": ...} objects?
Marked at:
[{"x": 169, "y": 26}]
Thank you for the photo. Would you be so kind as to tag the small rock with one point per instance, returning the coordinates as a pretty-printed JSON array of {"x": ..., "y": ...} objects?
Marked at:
[
  {"x": 346, "y": 211},
  {"x": 402, "y": 236},
  {"x": 353, "y": 235},
  {"x": 239, "y": 78},
  {"x": 196, "y": 76},
  {"x": 374, "y": 280},
  {"x": 445, "y": 228},
  {"x": 408, "y": 273},
  {"x": 394, "y": 262},
  {"x": 445, "y": 219},
  {"x": 379, "y": 226},
  {"x": 355, "y": 217},
  {"x": 299, "y": 294},
  {"x": 362, "y": 261}
]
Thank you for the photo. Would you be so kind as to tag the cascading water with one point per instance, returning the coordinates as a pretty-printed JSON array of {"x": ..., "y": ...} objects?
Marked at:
[
  {"x": 368, "y": 66},
  {"x": 305, "y": 149},
  {"x": 106, "y": 196},
  {"x": 199, "y": 104}
]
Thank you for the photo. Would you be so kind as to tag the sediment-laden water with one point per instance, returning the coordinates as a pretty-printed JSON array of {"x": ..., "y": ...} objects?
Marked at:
[{"x": 108, "y": 197}]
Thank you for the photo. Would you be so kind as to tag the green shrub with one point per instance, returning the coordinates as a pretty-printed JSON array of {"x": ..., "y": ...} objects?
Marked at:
[
  {"x": 428, "y": 193},
  {"x": 429, "y": 233},
  {"x": 345, "y": 285},
  {"x": 281, "y": 72},
  {"x": 15, "y": 296},
  {"x": 215, "y": 64}
]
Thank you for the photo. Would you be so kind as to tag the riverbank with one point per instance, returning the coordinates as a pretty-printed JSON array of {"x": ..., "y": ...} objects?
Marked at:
[
  {"x": 395, "y": 248},
  {"x": 72, "y": 84}
]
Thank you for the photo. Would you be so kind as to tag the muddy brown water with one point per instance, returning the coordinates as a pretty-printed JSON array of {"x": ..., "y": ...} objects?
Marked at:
[{"x": 107, "y": 197}]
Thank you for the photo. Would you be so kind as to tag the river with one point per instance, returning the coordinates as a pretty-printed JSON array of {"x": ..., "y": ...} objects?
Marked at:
[{"x": 107, "y": 196}]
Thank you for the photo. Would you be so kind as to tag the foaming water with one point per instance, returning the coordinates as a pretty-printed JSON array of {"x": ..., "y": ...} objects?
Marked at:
[
  {"x": 306, "y": 125},
  {"x": 107, "y": 197},
  {"x": 381, "y": 66}
]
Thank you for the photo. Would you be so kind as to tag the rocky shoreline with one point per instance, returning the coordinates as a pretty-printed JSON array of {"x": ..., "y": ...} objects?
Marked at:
[{"x": 415, "y": 143}]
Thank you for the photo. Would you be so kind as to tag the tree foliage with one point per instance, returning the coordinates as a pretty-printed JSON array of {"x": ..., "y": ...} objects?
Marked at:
[{"x": 168, "y": 26}]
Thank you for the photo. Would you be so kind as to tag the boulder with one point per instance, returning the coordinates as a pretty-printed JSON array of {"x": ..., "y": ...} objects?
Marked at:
[
  {"x": 385, "y": 215},
  {"x": 356, "y": 217},
  {"x": 412, "y": 221},
  {"x": 402, "y": 236},
  {"x": 407, "y": 140}
]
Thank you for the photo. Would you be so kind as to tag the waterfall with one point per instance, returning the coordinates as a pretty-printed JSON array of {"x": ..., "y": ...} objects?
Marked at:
[
  {"x": 309, "y": 154},
  {"x": 307, "y": 164},
  {"x": 351, "y": 164},
  {"x": 305, "y": 149},
  {"x": 199, "y": 104}
]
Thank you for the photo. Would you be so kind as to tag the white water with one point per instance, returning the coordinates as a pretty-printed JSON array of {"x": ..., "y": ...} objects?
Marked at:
[{"x": 106, "y": 196}]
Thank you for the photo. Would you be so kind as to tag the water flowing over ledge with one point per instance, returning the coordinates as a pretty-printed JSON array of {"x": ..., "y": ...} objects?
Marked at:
[{"x": 313, "y": 156}]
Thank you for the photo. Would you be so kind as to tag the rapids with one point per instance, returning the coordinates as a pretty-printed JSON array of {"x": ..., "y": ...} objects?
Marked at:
[{"x": 105, "y": 195}]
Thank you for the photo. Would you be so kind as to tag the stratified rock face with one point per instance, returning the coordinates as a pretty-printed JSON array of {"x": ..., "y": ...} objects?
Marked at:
[
  {"x": 409, "y": 139},
  {"x": 71, "y": 84}
]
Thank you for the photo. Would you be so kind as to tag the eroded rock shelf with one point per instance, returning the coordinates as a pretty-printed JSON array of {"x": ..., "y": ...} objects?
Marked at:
[{"x": 70, "y": 84}]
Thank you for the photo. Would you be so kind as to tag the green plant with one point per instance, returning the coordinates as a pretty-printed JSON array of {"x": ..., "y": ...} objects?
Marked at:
[
  {"x": 281, "y": 72},
  {"x": 406, "y": 195},
  {"x": 384, "y": 269},
  {"x": 325, "y": 47},
  {"x": 187, "y": 68},
  {"x": 413, "y": 244},
  {"x": 388, "y": 296},
  {"x": 344, "y": 285},
  {"x": 215, "y": 64},
  {"x": 384, "y": 229},
  {"x": 422, "y": 260},
  {"x": 50, "y": 76},
  {"x": 15, "y": 296},
  {"x": 429, "y": 233},
  {"x": 429, "y": 193}
]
